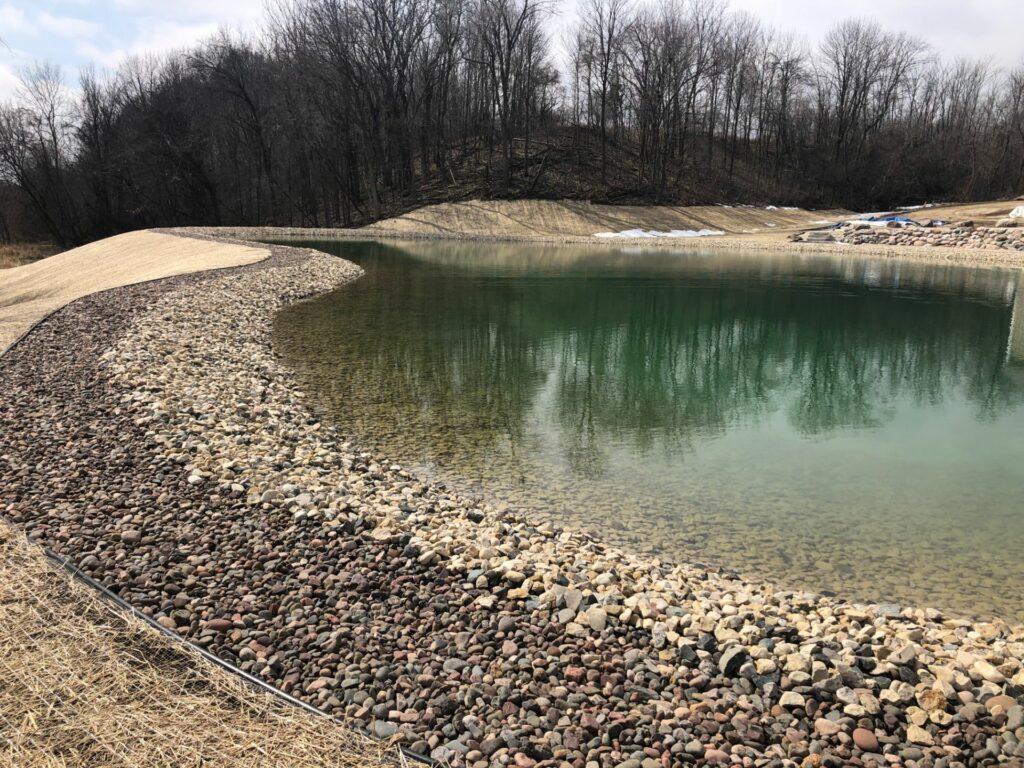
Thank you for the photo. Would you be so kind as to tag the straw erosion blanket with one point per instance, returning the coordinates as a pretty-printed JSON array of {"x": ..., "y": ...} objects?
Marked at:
[
  {"x": 83, "y": 684},
  {"x": 179, "y": 464}
]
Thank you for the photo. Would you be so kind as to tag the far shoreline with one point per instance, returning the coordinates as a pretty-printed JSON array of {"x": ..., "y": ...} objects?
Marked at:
[{"x": 1004, "y": 259}]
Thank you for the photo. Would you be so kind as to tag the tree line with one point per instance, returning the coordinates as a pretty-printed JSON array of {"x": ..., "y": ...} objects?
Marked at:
[{"x": 343, "y": 111}]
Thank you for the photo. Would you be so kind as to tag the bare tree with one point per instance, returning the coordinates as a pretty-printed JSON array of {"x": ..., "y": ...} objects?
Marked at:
[
  {"x": 513, "y": 49},
  {"x": 343, "y": 111},
  {"x": 603, "y": 28}
]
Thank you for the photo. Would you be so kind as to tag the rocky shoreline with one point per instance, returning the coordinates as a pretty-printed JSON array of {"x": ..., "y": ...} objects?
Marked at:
[
  {"x": 1008, "y": 236},
  {"x": 170, "y": 455}
]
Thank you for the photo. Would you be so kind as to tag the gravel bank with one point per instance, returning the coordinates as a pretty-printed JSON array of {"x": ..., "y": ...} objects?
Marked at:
[
  {"x": 959, "y": 236},
  {"x": 168, "y": 453}
]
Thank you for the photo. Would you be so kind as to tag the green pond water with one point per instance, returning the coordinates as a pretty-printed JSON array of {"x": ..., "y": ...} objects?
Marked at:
[{"x": 839, "y": 425}]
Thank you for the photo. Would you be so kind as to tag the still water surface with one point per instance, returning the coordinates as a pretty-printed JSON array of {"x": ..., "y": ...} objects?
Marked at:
[{"x": 840, "y": 425}]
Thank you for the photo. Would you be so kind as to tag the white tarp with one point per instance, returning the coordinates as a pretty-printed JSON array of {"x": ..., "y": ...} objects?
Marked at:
[
  {"x": 1017, "y": 213},
  {"x": 631, "y": 233}
]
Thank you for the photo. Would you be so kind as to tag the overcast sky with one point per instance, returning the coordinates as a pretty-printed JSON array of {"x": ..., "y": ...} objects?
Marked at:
[{"x": 73, "y": 33}]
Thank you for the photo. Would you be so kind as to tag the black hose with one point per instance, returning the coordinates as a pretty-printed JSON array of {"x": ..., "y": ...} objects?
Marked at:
[{"x": 251, "y": 680}]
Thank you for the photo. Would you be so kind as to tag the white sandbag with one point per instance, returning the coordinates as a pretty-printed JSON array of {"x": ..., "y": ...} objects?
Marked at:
[{"x": 648, "y": 233}]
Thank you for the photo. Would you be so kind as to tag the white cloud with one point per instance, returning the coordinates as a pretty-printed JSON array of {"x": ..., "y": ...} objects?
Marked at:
[
  {"x": 104, "y": 57},
  {"x": 75, "y": 33},
  {"x": 67, "y": 26},
  {"x": 231, "y": 12},
  {"x": 13, "y": 20},
  {"x": 165, "y": 36},
  {"x": 982, "y": 29},
  {"x": 107, "y": 31},
  {"x": 9, "y": 83},
  {"x": 154, "y": 37}
]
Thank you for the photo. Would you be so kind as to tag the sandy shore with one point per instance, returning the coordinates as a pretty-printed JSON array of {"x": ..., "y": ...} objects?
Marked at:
[
  {"x": 745, "y": 228},
  {"x": 576, "y": 218},
  {"x": 179, "y": 463}
]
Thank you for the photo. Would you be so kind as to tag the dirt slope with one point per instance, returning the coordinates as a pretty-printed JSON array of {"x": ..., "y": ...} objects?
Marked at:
[
  {"x": 570, "y": 218},
  {"x": 30, "y": 292},
  {"x": 984, "y": 214}
]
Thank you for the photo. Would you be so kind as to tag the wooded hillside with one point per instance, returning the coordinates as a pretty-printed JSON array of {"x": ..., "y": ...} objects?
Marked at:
[{"x": 343, "y": 111}]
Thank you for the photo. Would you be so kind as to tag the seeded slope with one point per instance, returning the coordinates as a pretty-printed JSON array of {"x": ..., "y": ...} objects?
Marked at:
[
  {"x": 30, "y": 292},
  {"x": 571, "y": 218}
]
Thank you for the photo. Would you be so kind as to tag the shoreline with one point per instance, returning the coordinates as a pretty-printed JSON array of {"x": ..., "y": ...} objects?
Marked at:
[
  {"x": 1002, "y": 259},
  {"x": 440, "y": 597},
  {"x": 31, "y": 292}
]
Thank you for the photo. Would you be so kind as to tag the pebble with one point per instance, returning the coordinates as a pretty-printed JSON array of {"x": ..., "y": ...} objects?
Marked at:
[
  {"x": 865, "y": 740},
  {"x": 791, "y": 699},
  {"x": 827, "y": 727},
  {"x": 918, "y": 735}
]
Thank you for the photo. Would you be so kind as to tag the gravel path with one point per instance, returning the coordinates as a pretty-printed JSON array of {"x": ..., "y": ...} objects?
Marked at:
[{"x": 150, "y": 434}]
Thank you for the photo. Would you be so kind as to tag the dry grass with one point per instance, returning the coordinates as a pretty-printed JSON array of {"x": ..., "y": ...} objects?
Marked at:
[
  {"x": 83, "y": 685},
  {"x": 17, "y": 254},
  {"x": 31, "y": 291}
]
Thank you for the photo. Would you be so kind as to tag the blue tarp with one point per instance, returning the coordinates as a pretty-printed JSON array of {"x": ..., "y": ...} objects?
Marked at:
[{"x": 883, "y": 217}]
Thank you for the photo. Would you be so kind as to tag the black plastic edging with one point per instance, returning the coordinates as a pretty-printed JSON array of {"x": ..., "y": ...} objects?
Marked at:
[{"x": 249, "y": 679}]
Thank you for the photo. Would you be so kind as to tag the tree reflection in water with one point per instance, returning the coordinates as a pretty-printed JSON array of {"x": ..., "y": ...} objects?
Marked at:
[{"x": 557, "y": 370}]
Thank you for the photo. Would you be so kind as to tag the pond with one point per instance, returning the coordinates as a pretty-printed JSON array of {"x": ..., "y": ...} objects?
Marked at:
[{"x": 841, "y": 425}]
